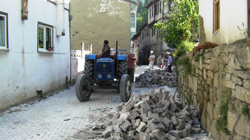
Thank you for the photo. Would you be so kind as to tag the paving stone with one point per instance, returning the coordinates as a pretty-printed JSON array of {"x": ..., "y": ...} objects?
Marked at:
[
  {"x": 125, "y": 125},
  {"x": 133, "y": 115},
  {"x": 165, "y": 121},
  {"x": 107, "y": 132},
  {"x": 144, "y": 136},
  {"x": 196, "y": 130},
  {"x": 152, "y": 115},
  {"x": 181, "y": 124},
  {"x": 170, "y": 137},
  {"x": 158, "y": 134},
  {"x": 142, "y": 127}
]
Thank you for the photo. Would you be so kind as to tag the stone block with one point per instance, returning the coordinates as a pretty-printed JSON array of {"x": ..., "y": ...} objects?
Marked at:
[
  {"x": 188, "y": 127},
  {"x": 155, "y": 99},
  {"x": 133, "y": 124},
  {"x": 152, "y": 115},
  {"x": 210, "y": 109},
  {"x": 228, "y": 84},
  {"x": 165, "y": 95},
  {"x": 178, "y": 133},
  {"x": 242, "y": 74},
  {"x": 106, "y": 133},
  {"x": 165, "y": 121},
  {"x": 237, "y": 137},
  {"x": 137, "y": 122},
  {"x": 142, "y": 127},
  {"x": 133, "y": 115},
  {"x": 242, "y": 94},
  {"x": 147, "y": 130},
  {"x": 242, "y": 127},
  {"x": 138, "y": 105},
  {"x": 144, "y": 136},
  {"x": 181, "y": 124},
  {"x": 158, "y": 134},
  {"x": 125, "y": 125},
  {"x": 116, "y": 128},
  {"x": 135, "y": 95},
  {"x": 237, "y": 80},
  {"x": 116, "y": 116},
  {"x": 232, "y": 119},
  {"x": 119, "y": 107},
  {"x": 170, "y": 137},
  {"x": 131, "y": 133},
  {"x": 246, "y": 84},
  {"x": 196, "y": 130}
]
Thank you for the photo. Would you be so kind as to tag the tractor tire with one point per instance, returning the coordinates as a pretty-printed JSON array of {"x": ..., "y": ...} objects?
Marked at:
[
  {"x": 89, "y": 68},
  {"x": 131, "y": 74},
  {"x": 125, "y": 88},
  {"x": 83, "y": 92},
  {"x": 122, "y": 69}
]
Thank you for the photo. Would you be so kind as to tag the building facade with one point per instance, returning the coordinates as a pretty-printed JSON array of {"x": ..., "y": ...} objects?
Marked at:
[
  {"x": 98, "y": 20},
  {"x": 34, "y": 48},
  {"x": 221, "y": 18},
  {"x": 147, "y": 38}
]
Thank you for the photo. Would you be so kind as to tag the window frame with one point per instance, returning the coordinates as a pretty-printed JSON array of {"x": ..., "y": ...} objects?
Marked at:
[
  {"x": 132, "y": 20},
  {"x": 45, "y": 26},
  {"x": 6, "y": 47},
  {"x": 216, "y": 16}
]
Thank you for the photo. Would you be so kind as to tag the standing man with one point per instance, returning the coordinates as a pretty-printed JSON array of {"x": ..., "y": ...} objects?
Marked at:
[
  {"x": 140, "y": 57},
  {"x": 159, "y": 61},
  {"x": 170, "y": 62},
  {"x": 151, "y": 60},
  {"x": 106, "y": 49},
  {"x": 165, "y": 60}
]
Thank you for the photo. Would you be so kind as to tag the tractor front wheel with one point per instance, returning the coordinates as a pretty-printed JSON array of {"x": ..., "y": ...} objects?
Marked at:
[
  {"x": 83, "y": 90},
  {"x": 125, "y": 87}
]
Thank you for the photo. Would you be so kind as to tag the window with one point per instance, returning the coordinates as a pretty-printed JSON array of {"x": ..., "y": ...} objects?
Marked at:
[
  {"x": 216, "y": 15},
  {"x": 45, "y": 37},
  {"x": 3, "y": 30},
  {"x": 152, "y": 32},
  {"x": 150, "y": 13},
  {"x": 132, "y": 20}
]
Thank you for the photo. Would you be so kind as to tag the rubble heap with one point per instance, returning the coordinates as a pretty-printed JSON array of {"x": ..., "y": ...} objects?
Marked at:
[
  {"x": 155, "y": 78},
  {"x": 153, "y": 115}
]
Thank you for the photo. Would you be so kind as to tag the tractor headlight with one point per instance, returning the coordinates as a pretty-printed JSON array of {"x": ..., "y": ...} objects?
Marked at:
[
  {"x": 108, "y": 76},
  {"x": 99, "y": 76}
]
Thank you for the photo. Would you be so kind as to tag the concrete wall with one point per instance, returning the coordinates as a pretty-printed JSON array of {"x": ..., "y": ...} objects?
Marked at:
[
  {"x": 23, "y": 69},
  {"x": 95, "y": 21},
  {"x": 232, "y": 14},
  {"x": 219, "y": 75}
]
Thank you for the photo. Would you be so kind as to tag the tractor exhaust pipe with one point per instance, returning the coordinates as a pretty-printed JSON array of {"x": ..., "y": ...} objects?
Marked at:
[{"x": 116, "y": 51}]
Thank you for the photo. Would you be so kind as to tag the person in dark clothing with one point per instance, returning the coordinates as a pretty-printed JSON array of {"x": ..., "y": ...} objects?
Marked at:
[
  {"x": 140, "y": 57},
  {"x": 170, "y": 62},
  {"x": 106, "y": 49}
]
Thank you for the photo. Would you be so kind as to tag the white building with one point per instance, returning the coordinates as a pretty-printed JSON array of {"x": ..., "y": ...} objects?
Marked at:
[
  {"x": 27, "y": 63},
  {"x": 221, "y": 18}
]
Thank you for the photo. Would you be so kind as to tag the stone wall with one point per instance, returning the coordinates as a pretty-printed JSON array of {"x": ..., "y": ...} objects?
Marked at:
[{"x": 219, "y": 78}]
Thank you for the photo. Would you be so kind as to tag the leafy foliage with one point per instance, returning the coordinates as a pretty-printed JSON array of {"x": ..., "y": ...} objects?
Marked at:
[
  {"x": 246, "y": 112},
  {"x": 142, "y": 15},
  {"x": 183, "y": 23},
  {"x": 182, "y": 48},
  {"x": 186, "y": 63}
]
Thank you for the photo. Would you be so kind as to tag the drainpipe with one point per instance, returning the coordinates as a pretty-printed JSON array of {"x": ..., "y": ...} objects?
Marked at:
[
  {"x": 60, "y": 31},
  {"x": 70, "y": 76}
]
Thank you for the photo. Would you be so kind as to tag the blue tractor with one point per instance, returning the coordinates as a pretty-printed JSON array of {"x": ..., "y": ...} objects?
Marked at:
[{"x": 116, "y": 72}]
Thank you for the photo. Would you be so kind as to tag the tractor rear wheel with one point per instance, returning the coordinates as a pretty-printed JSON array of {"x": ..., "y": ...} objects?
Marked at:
[
  {"x": 89, "y": 68},
  {"x": 125, "y": 88},
  {"x": 122, "y": 68},
  {"x": 83, "y": 91},
  {"x": 131, "y": 74}
]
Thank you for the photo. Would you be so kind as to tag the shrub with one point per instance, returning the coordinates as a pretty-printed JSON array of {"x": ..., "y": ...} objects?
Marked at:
[{"x": 182, "y": 48}]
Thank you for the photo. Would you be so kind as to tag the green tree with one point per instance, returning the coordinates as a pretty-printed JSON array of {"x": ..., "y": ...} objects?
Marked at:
[
  {"x": 182, "y": 24},
  {"x": 142, "y": 15}
]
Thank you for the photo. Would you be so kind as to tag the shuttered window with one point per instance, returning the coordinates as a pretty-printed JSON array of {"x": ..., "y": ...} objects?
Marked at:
[{"x": 216, "y": 15}]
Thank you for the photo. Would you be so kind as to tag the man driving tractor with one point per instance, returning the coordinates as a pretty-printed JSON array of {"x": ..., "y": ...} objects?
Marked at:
[{"x": 106, "y": 50}]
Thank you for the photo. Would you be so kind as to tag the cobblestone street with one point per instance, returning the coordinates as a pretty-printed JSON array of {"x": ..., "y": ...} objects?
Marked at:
[{"x": 57, "y": 117}]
